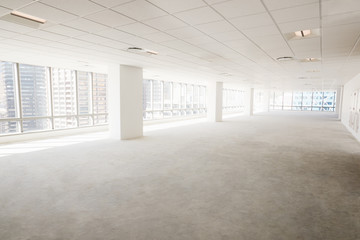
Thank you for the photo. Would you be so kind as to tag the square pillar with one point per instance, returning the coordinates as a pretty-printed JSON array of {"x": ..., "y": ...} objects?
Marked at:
[
  {"x": 250, "y": 103},
  {"x": 214, "y": 101},
  {"x": 338, "y": 106},
  {"x": 125, "y": 102}
]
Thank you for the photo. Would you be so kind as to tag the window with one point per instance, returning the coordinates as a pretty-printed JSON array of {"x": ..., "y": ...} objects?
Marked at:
[
  {"x": 305, "y": 101},
  {"x": 38, "y": 98},
  {"x": 8, "y": 98},
  {"x": 163, "y": 99},
  {"x": 35, "y": 97},
  {"x": 233, "y": 100}
]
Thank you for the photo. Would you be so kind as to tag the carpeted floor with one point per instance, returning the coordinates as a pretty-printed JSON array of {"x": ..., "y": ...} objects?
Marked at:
[{"x": 275, "y": 176}]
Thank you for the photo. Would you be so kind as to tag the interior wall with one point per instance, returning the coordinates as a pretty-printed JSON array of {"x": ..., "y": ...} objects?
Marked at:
[{"x": 351, "y": 106}]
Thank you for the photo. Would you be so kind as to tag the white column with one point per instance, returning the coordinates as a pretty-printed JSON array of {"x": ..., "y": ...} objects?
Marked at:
[
  {"x": 125, "y": 102},
  {"x": 214, "y": 101},
  {"x": 251, "y": 102},
  {"x": 339, "y": 96}
]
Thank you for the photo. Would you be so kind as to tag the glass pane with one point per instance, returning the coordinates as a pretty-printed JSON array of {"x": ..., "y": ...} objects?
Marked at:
[
  {"x": 287, "y": 100},
  {"x": 167, "y": 95},
  {"x": 183, "y": 96},
  {"x": 7, "y": 90},
  {"x": 202, "y": 96},
  {"x": 147, "y": 115},
  {"x": 64, "y": 92},
  {"x": 65, "y": 122},
  {"x": 189, "y": 95},
  {"x": 85, "y": 121},
  {"x": 157, "y": 95},
  {"x": 307, "y": 100},
  {"x": 278, "y": 101},
  {"x": 167, "y": 114},
  {"x": 329, "y": 99},
  {"x": 99, "y": 93},
  {"x": 36, "y": 125},
  {"x": 317, "y": 99},
  {"x": 177, "y": 95},
  {"x": 297, "y": 100},
  {"x": 196, "y": 96},
  {"x": 35, "y": 92},
  {"x": 146, "y": 94},
  {"x": 84, "y": 92},
  {"x": 9, "y": 127},
  {"x": 157, "y": 115},
  {"x": 100, "y": 119}
]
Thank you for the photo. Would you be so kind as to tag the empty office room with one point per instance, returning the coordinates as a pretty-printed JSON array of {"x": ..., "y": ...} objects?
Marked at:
[{"x": 179, "y": 119}]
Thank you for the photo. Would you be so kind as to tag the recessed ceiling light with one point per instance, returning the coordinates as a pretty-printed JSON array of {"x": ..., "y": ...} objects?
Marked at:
[
  {"x": 283, "y": 59},
  {"x": 303, "y": 33},
  {"x": 310, "y": 59},
  {"x": 28, "y": 17},
  {"x": 142, "y": 51}
]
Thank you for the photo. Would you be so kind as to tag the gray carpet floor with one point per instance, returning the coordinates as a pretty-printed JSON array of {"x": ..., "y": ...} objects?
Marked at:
[{"x": 274, "y": 176}]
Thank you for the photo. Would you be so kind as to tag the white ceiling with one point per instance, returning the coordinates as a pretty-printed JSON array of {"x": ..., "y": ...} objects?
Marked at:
[{"x": 196, "y": 39}]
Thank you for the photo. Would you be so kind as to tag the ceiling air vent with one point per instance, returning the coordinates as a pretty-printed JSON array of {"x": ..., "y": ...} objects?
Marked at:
[
  {"x": 284, "y": 59},
  {"x": 142, "y": 51}
]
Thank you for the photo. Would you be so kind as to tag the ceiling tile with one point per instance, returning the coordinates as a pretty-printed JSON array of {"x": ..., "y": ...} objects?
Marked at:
[
  {"x": 252, "y": 21},
  {"x": 296, "y": 13},
  {"x": 165, "y": 23},
  {"x": 47, "y": 35},
  {"x": 186, "y": 32},
  {"x": 279, "y": 4},
  {"x": 15, "y": 4},
  {"x": 261, "y": 31},
  {"x": 228, "y": 36},
  {"x": 178, "y": 6},
  {"x": 34, "y": 40},
  {"x": 85, "y": 25},
  {"x": 159, "y": 37},
  {"x": 92, "y": 38},
  {"x": 331, "y": 7},
  {"x": 215, "y": 1},
  {"x": 140, "y": 10},
  {"x": 4, "y": 11},
  {"x": 110, "y": 18},
  {"x": 47, "y": 13},
  {"x": 192, "y": 16},
  {"x": 312, "y": 23},
  {"x": 111, "y": 3},
  {"x": 216, "y": 27},
  {"x": 138, "y": 29},
  {"x": 64, "y": 30},
  {"x": 7, "y": 34},
  {"x": 340, "y": 19},
  {"x": 114, "y": 34},
  {"x": 78, "y": 7},
  {"x": 14, "y": 27},
  {"x": 237, "y": 8},
  {"x": 115, "y": 44}
]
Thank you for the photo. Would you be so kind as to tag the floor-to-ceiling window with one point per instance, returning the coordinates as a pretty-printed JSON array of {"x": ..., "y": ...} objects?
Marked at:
[
  {"x": 303, "y": 101},
  {"x": 233, "y": 100},
  {"x": 162, "y": 99},
  {"x": 38, "y": 98}
]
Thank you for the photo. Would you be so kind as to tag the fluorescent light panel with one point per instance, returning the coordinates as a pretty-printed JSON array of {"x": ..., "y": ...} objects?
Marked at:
[
  {"x": 303, "y": 33},
  {"x": 28, "y": 17}
]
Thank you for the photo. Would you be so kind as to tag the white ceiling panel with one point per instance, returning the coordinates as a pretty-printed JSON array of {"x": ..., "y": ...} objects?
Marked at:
[
  {"x": 78, "y": 7},
  {"x": 280, "y": 4},
  {"x": 312, "y": 23},
  {"x": 159, "y": 37},
  {"x": 140, "y": 10},
  {"x": 192, "y": 17},
  {"x": 111, "y": 3},
  {"x": 47, "y": 35},
  {"x": 110, "y": 18},
  {"x": 341, "y": 19},
  {"x": 237, "y": 8},
  {"x": 47, "y": 12},
  {"x": 115, "y": 44},
  {"x": 138, "y": 29},
  {"x": 114, "y": 34},
  {"x": 14, "y": 27},
  {"x": 215, "y": 1},
  {"x": 227, "y": 36},
  {"x": 185, "y": 33},
  {"x": 15, "y": 4},
  {"x": 86, "y": 25},
  {"x": 201, "y": 40},
  {"x": 34, "y": 40},
  {"x": 64, "y": 30},
  {"x": 261, "y": 31},
  {"x": 178, "y": 6},
  {"x": 7, "y": 34},
  {"x": 252, "y": 21},
  {"x": 296, "y": 13},
  {"x": 4, "y": 11},
  {"x": 92, "y": 38},
  {"x": 165, "y": 23},
  {"x": 332, "y": 7},
  {"x": 216, "y": 27}
]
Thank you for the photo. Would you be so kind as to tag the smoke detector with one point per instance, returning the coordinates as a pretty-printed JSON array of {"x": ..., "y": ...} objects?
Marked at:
[{"x": 142, "y": 51}]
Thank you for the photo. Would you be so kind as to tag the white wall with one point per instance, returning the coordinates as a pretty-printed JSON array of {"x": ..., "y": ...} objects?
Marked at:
[{"x": 347, "y": 104}]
